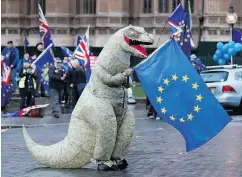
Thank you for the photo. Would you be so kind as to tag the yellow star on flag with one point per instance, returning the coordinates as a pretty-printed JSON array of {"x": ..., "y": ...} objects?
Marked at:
[
  {"x": 160, "y": 89},
  {"x": 172, "y": 117},
  {"x": 185, "y": 78},
  {"x": 163, "y": 110},
  {"x": 190, "y": 116},
  {"x": 195, "y": 86},
  {"x": 196, "y": 108},
  {"x": 166, "y": 81},
  {"x": 199, "y": 97},
  {"x": 182, "y": 119},
  {"x": 174, "y": 77},
  {"x": 159, "y": 99},
  {"x": 181, "y": 43}
]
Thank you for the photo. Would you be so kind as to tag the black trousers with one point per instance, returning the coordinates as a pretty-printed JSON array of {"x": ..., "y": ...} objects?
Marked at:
[
  {"x": 27, "y": 98},
  {"x": 65, "y": 95},
  {"x": 74, "y": 96}
]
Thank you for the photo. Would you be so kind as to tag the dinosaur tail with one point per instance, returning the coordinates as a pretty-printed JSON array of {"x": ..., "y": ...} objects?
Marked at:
[{"x": 74, "y": 151}]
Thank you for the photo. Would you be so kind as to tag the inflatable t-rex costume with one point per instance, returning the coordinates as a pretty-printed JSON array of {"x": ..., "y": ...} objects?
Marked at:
[{"x": 101, "y": 125}]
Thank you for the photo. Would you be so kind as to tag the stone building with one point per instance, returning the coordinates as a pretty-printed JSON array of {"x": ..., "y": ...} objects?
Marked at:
[{"x": 69, "y": 18}]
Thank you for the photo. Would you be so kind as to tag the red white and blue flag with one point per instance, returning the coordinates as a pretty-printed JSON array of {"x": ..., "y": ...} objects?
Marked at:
[
  {"x": 44, "y": 29},
  {"x": 6, "y": 87},
  {"x": 82, "y": 51}
]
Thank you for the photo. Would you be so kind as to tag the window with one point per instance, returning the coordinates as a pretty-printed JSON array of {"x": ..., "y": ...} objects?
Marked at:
[
  {"x": 212, "y": 6},
  {"x": 147, "y": 6},
  {"x": 238, "y": 76},
  {"x": 175, "y": 3},
  {"x": 215, "y": 76},
  {"x": 163, "y": 6},
  {"x": 85, "y": 6},
  {"x": 32, "y": 6}
]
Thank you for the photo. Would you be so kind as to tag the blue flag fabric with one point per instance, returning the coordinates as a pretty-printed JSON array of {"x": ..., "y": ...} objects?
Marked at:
[
  {"x": 42, "y": 66},
  {"x": 6, "y": 94},
  {"x": 237, "y": 36},
  {"x": 180, "y": 96},
  {"x": 26, "y": 42},
  {"x": 66, "y": 52},
  {"x": 78, "y": 40},
  {"x": 180, "y": 26}
]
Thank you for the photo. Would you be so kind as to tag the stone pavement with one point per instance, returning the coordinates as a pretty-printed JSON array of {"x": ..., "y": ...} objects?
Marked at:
[{"x": 157, "y": 150}]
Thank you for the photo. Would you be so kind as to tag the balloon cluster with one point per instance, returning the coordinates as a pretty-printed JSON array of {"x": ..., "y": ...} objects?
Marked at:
[{"x": 225, "y": 51}]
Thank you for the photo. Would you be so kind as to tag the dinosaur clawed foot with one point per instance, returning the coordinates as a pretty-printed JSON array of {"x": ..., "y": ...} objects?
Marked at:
[{"x": 117, "y": 165}]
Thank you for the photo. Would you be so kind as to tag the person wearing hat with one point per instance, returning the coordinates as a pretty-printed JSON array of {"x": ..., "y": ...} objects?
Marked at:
[
  {"x": 11, "y": 58},
  {"x": 27, "y": 83},
  {"x": 57, "y": 77}
]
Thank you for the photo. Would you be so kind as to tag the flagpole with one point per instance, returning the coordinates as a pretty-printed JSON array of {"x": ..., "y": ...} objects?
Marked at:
[{"x": 24, "y": 43}]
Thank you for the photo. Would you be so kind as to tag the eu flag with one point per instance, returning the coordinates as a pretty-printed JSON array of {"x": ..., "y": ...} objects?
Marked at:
[
  {"x": 43, "y": 62},
  {"x": 26, "y": 42},
  {"x": 180, "y": 96},
  {"x": 237, "y": 36},
  {"x": 66, "y": 52},
  {"x": 180, "y": 24}
]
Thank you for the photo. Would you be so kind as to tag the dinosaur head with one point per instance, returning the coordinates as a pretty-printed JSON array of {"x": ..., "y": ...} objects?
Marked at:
[{"x": 133, "y": 39}]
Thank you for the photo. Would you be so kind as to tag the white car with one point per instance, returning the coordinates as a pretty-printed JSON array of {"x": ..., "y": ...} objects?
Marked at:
[
  {"x": 225, "y": 82},
  {"x": 131, "y": 97}
]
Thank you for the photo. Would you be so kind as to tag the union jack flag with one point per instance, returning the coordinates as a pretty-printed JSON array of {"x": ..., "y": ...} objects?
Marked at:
[
  {"x": 5, "y": 73},
  {"x": 44, "y": 29},
  {"x": 82, "y": 50},
  {"x": 6, "y": 86}
]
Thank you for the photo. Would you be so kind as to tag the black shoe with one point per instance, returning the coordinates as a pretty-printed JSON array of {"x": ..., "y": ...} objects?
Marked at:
[
  {"x": 123, "y": 165},
  {"x": 104, "y": 167},
  {"x": 56, "y": 116}
]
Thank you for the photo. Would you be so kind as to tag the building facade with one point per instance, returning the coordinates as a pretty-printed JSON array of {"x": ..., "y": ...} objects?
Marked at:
[{"x": 66, "y": 19}]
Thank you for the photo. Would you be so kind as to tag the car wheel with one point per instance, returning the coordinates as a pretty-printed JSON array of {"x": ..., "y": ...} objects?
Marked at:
[{"x": 240, "y": 107}]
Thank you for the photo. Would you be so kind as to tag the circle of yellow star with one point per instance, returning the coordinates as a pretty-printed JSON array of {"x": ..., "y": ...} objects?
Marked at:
[
  {"x": 196, "y": 108},
  {"x": 199, "y": 97},
  {"x": 185, "y": 78},
  {"x": 172, "y": 118},
  {"x": 190, "y": 116},
  {"x": 163, "y": 110},
  {"x": 174, "y": 77},
  {"x": 182, "y": 119},
  {"x": 166, "y": 81},
  {"x": 160, "y": 89},
  {"x": 195, "y": 86},
  {"x": 159, "y": 99}
]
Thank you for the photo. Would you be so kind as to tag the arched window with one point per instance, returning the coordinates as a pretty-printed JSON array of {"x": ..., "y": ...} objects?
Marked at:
[
  {"x": 85, "y": 6},
  {"x": 163, "y": 6},
  {"x": 147, "y": 8},
  {"x": 175, "y": 3}
]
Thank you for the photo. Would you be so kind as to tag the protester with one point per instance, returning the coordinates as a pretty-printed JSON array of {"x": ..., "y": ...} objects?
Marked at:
[
  {"x": 39, "y": 87},
  {"x": 76, "y": 76},
  {"x": 57, "y": 76},
  {"x": 27, "y": 84},
  {"x": 65, "y": 93},
  {"x": 11, "y": 58}
]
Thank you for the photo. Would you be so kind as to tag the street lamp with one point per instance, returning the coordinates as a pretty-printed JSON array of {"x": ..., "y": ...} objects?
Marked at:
[{"x": 231, "y": 19}]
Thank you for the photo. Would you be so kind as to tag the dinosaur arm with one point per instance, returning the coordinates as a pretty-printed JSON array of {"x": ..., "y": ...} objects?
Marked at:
[{"x": 108, "y": 79}]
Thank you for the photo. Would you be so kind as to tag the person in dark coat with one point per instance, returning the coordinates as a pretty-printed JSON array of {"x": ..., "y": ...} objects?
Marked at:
[
  {"x": 57, "y": 77},
  {"x": 39, "y": 87},
  {"x": 11, "y": 58},
  {"x": 76, "y": 76},
  {"x": 27, "y": 84}
]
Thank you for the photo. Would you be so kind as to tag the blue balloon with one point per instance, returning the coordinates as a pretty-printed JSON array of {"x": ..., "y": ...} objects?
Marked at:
[
  {"x": 219, "y": 53},
  {"x": 238, "y": 47},
  {"x": 225, "y": 48},
  {"x": 226, "y": 56},
  {"x": 231, "y": 44},
  {"x": 221, "y": 62},
  {"x": 219, "y": 45},
  {"x": 231, "y": 51},
  {"x": 215, "y": 58},
  {"x": 234, "y": 52}
]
